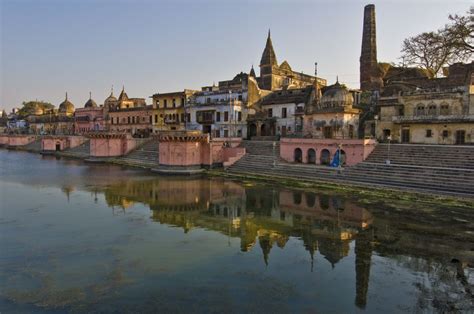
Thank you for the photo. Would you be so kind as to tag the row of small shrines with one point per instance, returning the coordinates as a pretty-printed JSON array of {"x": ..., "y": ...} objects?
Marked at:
[{"x": 393, "y": 103}]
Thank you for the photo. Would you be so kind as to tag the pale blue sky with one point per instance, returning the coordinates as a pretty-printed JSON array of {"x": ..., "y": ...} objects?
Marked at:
[{"x": 52, "y": 46}]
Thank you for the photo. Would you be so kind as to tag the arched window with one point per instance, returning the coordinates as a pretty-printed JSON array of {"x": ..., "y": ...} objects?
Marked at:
[
  {"x": 432, "y": 110},
  {"x": 444, "y": 109},
  {"x": 310, "y": 199},
  {"x": 420, "y": 110}
]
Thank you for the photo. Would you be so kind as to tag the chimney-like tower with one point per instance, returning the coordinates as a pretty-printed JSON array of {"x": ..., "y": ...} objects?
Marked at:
[{"x": 368, "y": 56}]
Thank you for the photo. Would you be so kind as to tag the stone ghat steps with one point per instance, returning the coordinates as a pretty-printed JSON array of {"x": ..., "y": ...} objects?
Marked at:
[
  {"x": 34, "y": 146},
  {"x": 262, "y": 148},
  {"x": 81, "y": 151},
  {"x": 425, "y": 155},
  {"x": 421, "y": 178},
  {"x": 329, "y": 174},
  {"x": 145, "y": 156}
]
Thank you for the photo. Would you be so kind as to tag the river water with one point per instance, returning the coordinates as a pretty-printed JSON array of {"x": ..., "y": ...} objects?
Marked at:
[{"x": 77, "y": 237}]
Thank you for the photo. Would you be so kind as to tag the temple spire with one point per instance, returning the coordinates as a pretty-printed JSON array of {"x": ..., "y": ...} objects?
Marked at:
[
  {"x": 90, "y": 95},
  {"x": 66, "y": 95}
]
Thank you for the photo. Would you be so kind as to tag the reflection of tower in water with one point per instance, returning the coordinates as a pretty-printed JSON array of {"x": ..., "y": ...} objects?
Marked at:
[{"x": 363, "y": 253}]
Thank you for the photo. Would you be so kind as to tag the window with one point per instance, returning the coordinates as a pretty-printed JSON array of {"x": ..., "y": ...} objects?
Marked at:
[
  {"x": 429, "y": 133},
  {"x": 174, "y": 103},
  {"x": 226, "y": 116},
  {"x": 182, "y": 117},
  {"x": 401, "y": 111},
  {"x": 226, "y": 133},
  {"x": 283, "y": 112},
  {"x": 208, "y": 100},
  {"x": 218, "y": 116},
  {"x": 156, "y": 118},
  {"x": 189, "y": 117},
  {"x": 445, "y": 133},
  {"x": 218, "y": 133},
  {"x": 239, "y": 116},
  {"x": 240, "y": 97},
  {"x": 444, "y": 110},
  {"x": 432, "y": 110},
  {"x": 270, "y": 112},
  {"x": 420, "y": 110},
  {"x": 128, "y": 120},
  {"x": 165, "y": 103},
  {"x": 151, "y": 119},
  {"x": 182, "y": 102}
]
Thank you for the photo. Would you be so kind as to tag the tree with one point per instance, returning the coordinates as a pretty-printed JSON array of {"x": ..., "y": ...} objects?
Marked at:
[{"x": 434, "y": 50}]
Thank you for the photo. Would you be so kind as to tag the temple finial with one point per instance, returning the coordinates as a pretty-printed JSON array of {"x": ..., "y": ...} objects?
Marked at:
[
  {"x": 269, "y": 33},
  {"x": 90, "y": 95},
  {"x": 337, "y": 79},
  {"x": 112, "y": 90},
  {"x": 66, "y": 95}
]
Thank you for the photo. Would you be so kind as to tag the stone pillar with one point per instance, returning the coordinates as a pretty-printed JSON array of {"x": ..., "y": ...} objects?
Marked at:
[{"x": 368, "y": 56}]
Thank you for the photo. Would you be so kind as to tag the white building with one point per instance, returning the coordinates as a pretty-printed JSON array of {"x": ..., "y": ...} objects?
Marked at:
[{"x": 222, "y": 113}]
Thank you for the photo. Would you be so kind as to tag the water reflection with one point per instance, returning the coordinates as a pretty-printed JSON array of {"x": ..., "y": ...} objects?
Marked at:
[{"x": 79, "y": 236}]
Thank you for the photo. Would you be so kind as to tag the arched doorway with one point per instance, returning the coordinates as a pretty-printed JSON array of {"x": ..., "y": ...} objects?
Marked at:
[
  {"x": 298, "y": 155},
  {"x": 325, "y": 157},
  {"x": 263, "y": 130},
  {"x": 58, "y": 146},
  {"x": 311, "y": 156}
]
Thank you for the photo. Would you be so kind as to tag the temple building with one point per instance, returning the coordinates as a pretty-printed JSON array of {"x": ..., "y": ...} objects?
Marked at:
[
  {"x": 91, "y": 117},
  {"x": 274, "y": 76},
  {"x": 409, "y": 104},
  {"x": 60, "y": 121},
  {"x": 169, "y": 110},
  {"x": 332, "y": 114},
  {"x": 130, "y": 115}
]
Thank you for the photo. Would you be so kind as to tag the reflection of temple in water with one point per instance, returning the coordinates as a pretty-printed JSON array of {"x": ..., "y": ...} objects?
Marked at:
[{"x": 265, "y": 218}]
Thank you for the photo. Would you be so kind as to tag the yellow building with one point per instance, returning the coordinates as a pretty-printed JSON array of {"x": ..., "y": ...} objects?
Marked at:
[
  {"x": 439, "y": 111},
  {"x": 169, "y": 110}
]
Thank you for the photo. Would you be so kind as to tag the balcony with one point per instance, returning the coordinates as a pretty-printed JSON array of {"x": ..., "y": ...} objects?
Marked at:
[{"x": 433, "y": 119}]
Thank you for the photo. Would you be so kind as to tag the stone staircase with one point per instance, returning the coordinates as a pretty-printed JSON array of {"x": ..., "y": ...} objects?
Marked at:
[
  {"x": 445, "y": 156},
  {"x": 82, "y": 151},
  {"x": 34, "y": 146},
  {"x": 145, "y": 156},
  {"x": 439, "y": 173}
]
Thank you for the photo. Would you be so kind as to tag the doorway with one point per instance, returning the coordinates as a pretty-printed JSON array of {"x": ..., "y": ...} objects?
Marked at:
[
  {"x": 406, "y": 136},
  {"x": 460, "y": 137}
]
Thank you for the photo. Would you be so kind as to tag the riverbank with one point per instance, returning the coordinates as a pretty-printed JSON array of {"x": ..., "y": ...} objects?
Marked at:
[{"x": 339, "y": 185}]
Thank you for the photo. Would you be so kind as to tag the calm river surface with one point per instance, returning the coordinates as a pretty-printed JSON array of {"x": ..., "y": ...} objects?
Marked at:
[{"x": 76, "y": 237}]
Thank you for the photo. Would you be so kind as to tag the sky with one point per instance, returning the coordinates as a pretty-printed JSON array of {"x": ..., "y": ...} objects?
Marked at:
[{"x": 49, "y": 47}]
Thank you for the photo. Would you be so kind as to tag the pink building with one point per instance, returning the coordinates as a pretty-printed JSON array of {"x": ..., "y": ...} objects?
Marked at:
[
  {"x": 90, "y": 118},
  {"x": 322, "y": 151}
]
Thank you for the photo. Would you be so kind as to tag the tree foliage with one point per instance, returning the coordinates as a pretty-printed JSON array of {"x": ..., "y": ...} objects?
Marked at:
[{"x": 434, "y": 50}]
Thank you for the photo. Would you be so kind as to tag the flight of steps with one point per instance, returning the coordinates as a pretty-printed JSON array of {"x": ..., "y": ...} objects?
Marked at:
[
  {"x": 82, "y": 151},
  {"x": 34, "y": 146},
  {"x": 146, "y": 155},
  {"x": 440, "y": 168},
  {"x": 448, "y": 170}
]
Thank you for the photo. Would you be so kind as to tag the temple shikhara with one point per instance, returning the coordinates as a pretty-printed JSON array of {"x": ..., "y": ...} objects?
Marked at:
[{"x": 278, "y": 118}]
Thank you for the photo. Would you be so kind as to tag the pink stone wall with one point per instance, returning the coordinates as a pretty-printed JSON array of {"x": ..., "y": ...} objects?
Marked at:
[
  {"x": 3, "y": 139},
  {"x": 356, "y": 150},
  {"x": 65, "y": 142},
  {"x": 20, "y": 140},
  {"x": 111, "y": 146},
  {"x": 176, "y": 153}
]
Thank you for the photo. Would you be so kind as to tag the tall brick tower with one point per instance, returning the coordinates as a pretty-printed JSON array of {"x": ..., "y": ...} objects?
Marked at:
[{"x": 368, "y": 56}]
